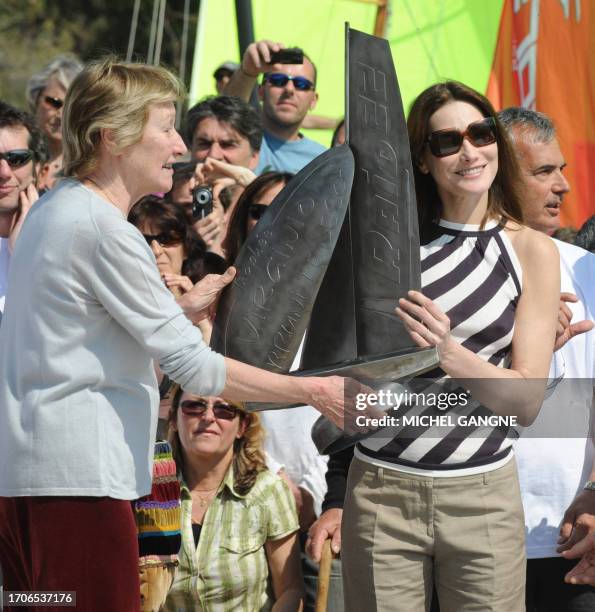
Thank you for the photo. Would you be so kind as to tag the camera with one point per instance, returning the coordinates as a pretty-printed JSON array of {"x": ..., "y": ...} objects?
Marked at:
[
  {"x": 288, "y": 56},
  {"x": 202, "y": 201}
]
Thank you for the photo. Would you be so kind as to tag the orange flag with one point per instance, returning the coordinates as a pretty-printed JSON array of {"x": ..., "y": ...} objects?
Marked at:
[{"x": 545, "y": 60}]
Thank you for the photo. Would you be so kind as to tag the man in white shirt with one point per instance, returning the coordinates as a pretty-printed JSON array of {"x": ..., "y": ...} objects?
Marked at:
[
  {"x": 553, "y": 470},
  {"x": 22, "y": 152}
]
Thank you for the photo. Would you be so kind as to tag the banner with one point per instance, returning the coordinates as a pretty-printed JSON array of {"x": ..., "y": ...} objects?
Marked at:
[{"x": 544, "y": 61}]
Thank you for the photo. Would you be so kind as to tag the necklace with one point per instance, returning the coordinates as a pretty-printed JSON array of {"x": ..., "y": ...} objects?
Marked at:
[
  {"x": 102, "y": 191},
  {"x": 206, "y": 499}
]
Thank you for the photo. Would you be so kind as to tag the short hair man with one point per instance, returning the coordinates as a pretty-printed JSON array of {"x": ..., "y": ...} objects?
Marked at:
[
  {"x": 222, "y": 75},
  {"x": 23, "y": 150},
  {"x": 552, "y": 470},
  {"x": 542, "y": 165},
  {"x": 288, "y": 93},
  {"x": 226, "y": 129}
]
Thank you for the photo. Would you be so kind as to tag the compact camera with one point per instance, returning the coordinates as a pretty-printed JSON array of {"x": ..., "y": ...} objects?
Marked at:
[{"x": 202, "y": 201}]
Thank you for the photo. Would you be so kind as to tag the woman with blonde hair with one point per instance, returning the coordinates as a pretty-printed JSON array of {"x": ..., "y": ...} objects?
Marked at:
[
  {"x": 239, "y": 521},
  {"x": 86, "y": 316}
]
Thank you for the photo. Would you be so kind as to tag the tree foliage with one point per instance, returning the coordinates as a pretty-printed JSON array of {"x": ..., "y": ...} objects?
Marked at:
[{"x": 32, "y": 32}]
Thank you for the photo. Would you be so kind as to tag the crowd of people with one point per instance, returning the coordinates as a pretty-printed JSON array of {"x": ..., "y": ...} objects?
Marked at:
[{"x": 131, "y": 470}]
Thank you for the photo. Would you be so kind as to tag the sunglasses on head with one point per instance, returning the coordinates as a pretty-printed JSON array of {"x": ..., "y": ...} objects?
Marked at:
[
  {"x": 165, "y": 240},
  {"x": 278, "y": 79},
  {"x": 221, "y": 410},
  {"x": 56, "y": 103},
  {"x": 257, "y": 210},
  {"x": 17, "y": 157},
  {"x": 448, "y": 142}
]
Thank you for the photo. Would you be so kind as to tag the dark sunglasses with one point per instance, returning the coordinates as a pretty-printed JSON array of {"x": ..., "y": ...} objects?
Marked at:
[
  {"x": 448, "y": 142},
  {"x": 197, "y": 408},
  {"x": 56, "y": 103},
  {"x": 278, "y": 79},
  {"x": 17, "y": 157},
  {"x": 165, "y": 239},
  {"x": 257, "y": 210}
]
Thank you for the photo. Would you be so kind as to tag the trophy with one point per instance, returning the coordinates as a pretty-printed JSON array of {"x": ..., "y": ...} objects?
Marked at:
[{"x": 335, "y": 251}]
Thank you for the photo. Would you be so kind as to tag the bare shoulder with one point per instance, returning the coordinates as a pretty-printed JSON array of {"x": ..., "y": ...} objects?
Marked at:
[{"x": 534, "y": 249}]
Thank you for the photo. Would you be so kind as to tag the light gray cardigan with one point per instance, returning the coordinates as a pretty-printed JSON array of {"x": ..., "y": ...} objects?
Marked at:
[{"x": 85, "y": 316}]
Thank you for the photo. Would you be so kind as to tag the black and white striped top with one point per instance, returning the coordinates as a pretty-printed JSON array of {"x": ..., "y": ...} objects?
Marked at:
[{"x": 475, "y": 278}]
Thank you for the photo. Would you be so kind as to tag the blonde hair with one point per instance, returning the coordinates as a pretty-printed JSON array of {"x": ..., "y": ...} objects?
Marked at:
[
  {"x": 248, "y": 451},
  {"x": 113, "y": 95}
]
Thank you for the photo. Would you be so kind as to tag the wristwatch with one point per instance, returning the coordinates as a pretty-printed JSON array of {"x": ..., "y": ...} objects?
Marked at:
[{"x": 589, "y": 485}]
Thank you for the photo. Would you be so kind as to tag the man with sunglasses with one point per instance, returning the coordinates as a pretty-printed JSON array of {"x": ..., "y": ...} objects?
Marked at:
[
  {"x": 552, "y": 468},
  {"x": 288, "y": 93},
  {"x": 22, "y": 152}
]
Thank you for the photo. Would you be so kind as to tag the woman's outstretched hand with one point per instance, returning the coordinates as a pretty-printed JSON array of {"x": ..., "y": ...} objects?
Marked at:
[
  {"x": 426, "y": 323},
  {"x": 199, "y": 302}
]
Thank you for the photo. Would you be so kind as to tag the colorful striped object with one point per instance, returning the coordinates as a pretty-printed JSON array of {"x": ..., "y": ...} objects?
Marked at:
[{"x": 158, "y": 514}]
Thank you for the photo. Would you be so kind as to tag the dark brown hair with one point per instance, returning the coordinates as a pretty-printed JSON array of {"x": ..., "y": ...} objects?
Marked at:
[
  {"x": 505, "y": 193},
  {"x": 170, "y": 218},
  {"x": 236, "y": 229}
]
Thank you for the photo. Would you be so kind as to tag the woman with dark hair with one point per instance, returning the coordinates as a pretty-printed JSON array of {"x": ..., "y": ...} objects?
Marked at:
[
  {"x": 442, "y": 505},
  {"x": 239, "y": 522},
  {"x": 178, "y": 249},
  {"x": 250, "y": 207}
]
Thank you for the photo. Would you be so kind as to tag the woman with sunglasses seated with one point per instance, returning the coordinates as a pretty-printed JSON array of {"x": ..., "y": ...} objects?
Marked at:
[
  {"x": 250, "y": 207},
  {"x": 238, "y": 519},
  {"x": 429, "y": 505}
]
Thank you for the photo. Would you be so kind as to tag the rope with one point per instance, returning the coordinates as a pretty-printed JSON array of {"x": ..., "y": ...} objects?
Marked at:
[
  {"x": 157, "y": 57},
  {"x": 183, "y": 52},
  {"x": 153, "y": 31},
  {"x": 133, "y": 26}
]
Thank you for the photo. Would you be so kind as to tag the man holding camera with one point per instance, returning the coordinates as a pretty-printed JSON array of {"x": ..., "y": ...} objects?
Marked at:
[
  {"x": 224, "y": 135},
  {"x": 287, "y": 92}
]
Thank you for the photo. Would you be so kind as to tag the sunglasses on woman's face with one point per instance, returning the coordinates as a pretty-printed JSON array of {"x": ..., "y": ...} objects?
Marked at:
[
  {"x": 197, "y": 408},
  {"x": 17, "y": 157},
  {"x": 448, "y": 142},
  {"x": 257, "y": 210},
  {"x": 278, "y": 79},
  {"x": 56, "y": 103},
  {"x": 166, "y": 239}
]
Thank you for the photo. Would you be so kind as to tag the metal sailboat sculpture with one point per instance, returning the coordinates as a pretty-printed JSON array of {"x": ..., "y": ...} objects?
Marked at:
[{"x": 352, "y": 288}]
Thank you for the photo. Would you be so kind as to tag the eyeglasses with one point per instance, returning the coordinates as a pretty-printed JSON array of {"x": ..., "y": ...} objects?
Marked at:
[
  {"x": 17, "y": 157},
  {"x": 197, "y": 408},
  {"x": 166, "y": 239},
  {"x": 278, "y": 79},
  {"x": 56, "y": 103},
  {"x": 448, "y": 142},
  {"x": 257, "y": 210}
]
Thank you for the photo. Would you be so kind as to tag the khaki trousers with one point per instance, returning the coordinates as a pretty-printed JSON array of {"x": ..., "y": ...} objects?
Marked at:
[{"x": 400, "y": 532}]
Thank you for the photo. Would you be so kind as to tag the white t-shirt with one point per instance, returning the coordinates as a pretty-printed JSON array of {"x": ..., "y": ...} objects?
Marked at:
[
  {"x": 288, "y": 443},
  {"x": 4, "y": 259},
  {"x": 552, "y": 471}
]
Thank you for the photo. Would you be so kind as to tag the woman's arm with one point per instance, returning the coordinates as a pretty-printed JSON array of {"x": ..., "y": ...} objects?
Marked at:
[
  {"x": 333, "y": 396},
  {"x": 532, "y": 343},
  {"x": 284, "y": 562}
]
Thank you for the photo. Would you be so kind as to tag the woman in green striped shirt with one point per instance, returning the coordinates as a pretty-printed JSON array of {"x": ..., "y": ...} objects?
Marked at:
[{"x": 239, "y": 520}]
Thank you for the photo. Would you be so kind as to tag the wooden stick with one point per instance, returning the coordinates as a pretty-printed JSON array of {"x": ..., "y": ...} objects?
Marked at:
[{"x": 324, "y": 575}]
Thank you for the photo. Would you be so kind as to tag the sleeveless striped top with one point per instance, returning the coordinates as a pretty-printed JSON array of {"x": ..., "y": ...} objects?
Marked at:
[{"x": 475, "y": 278}]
